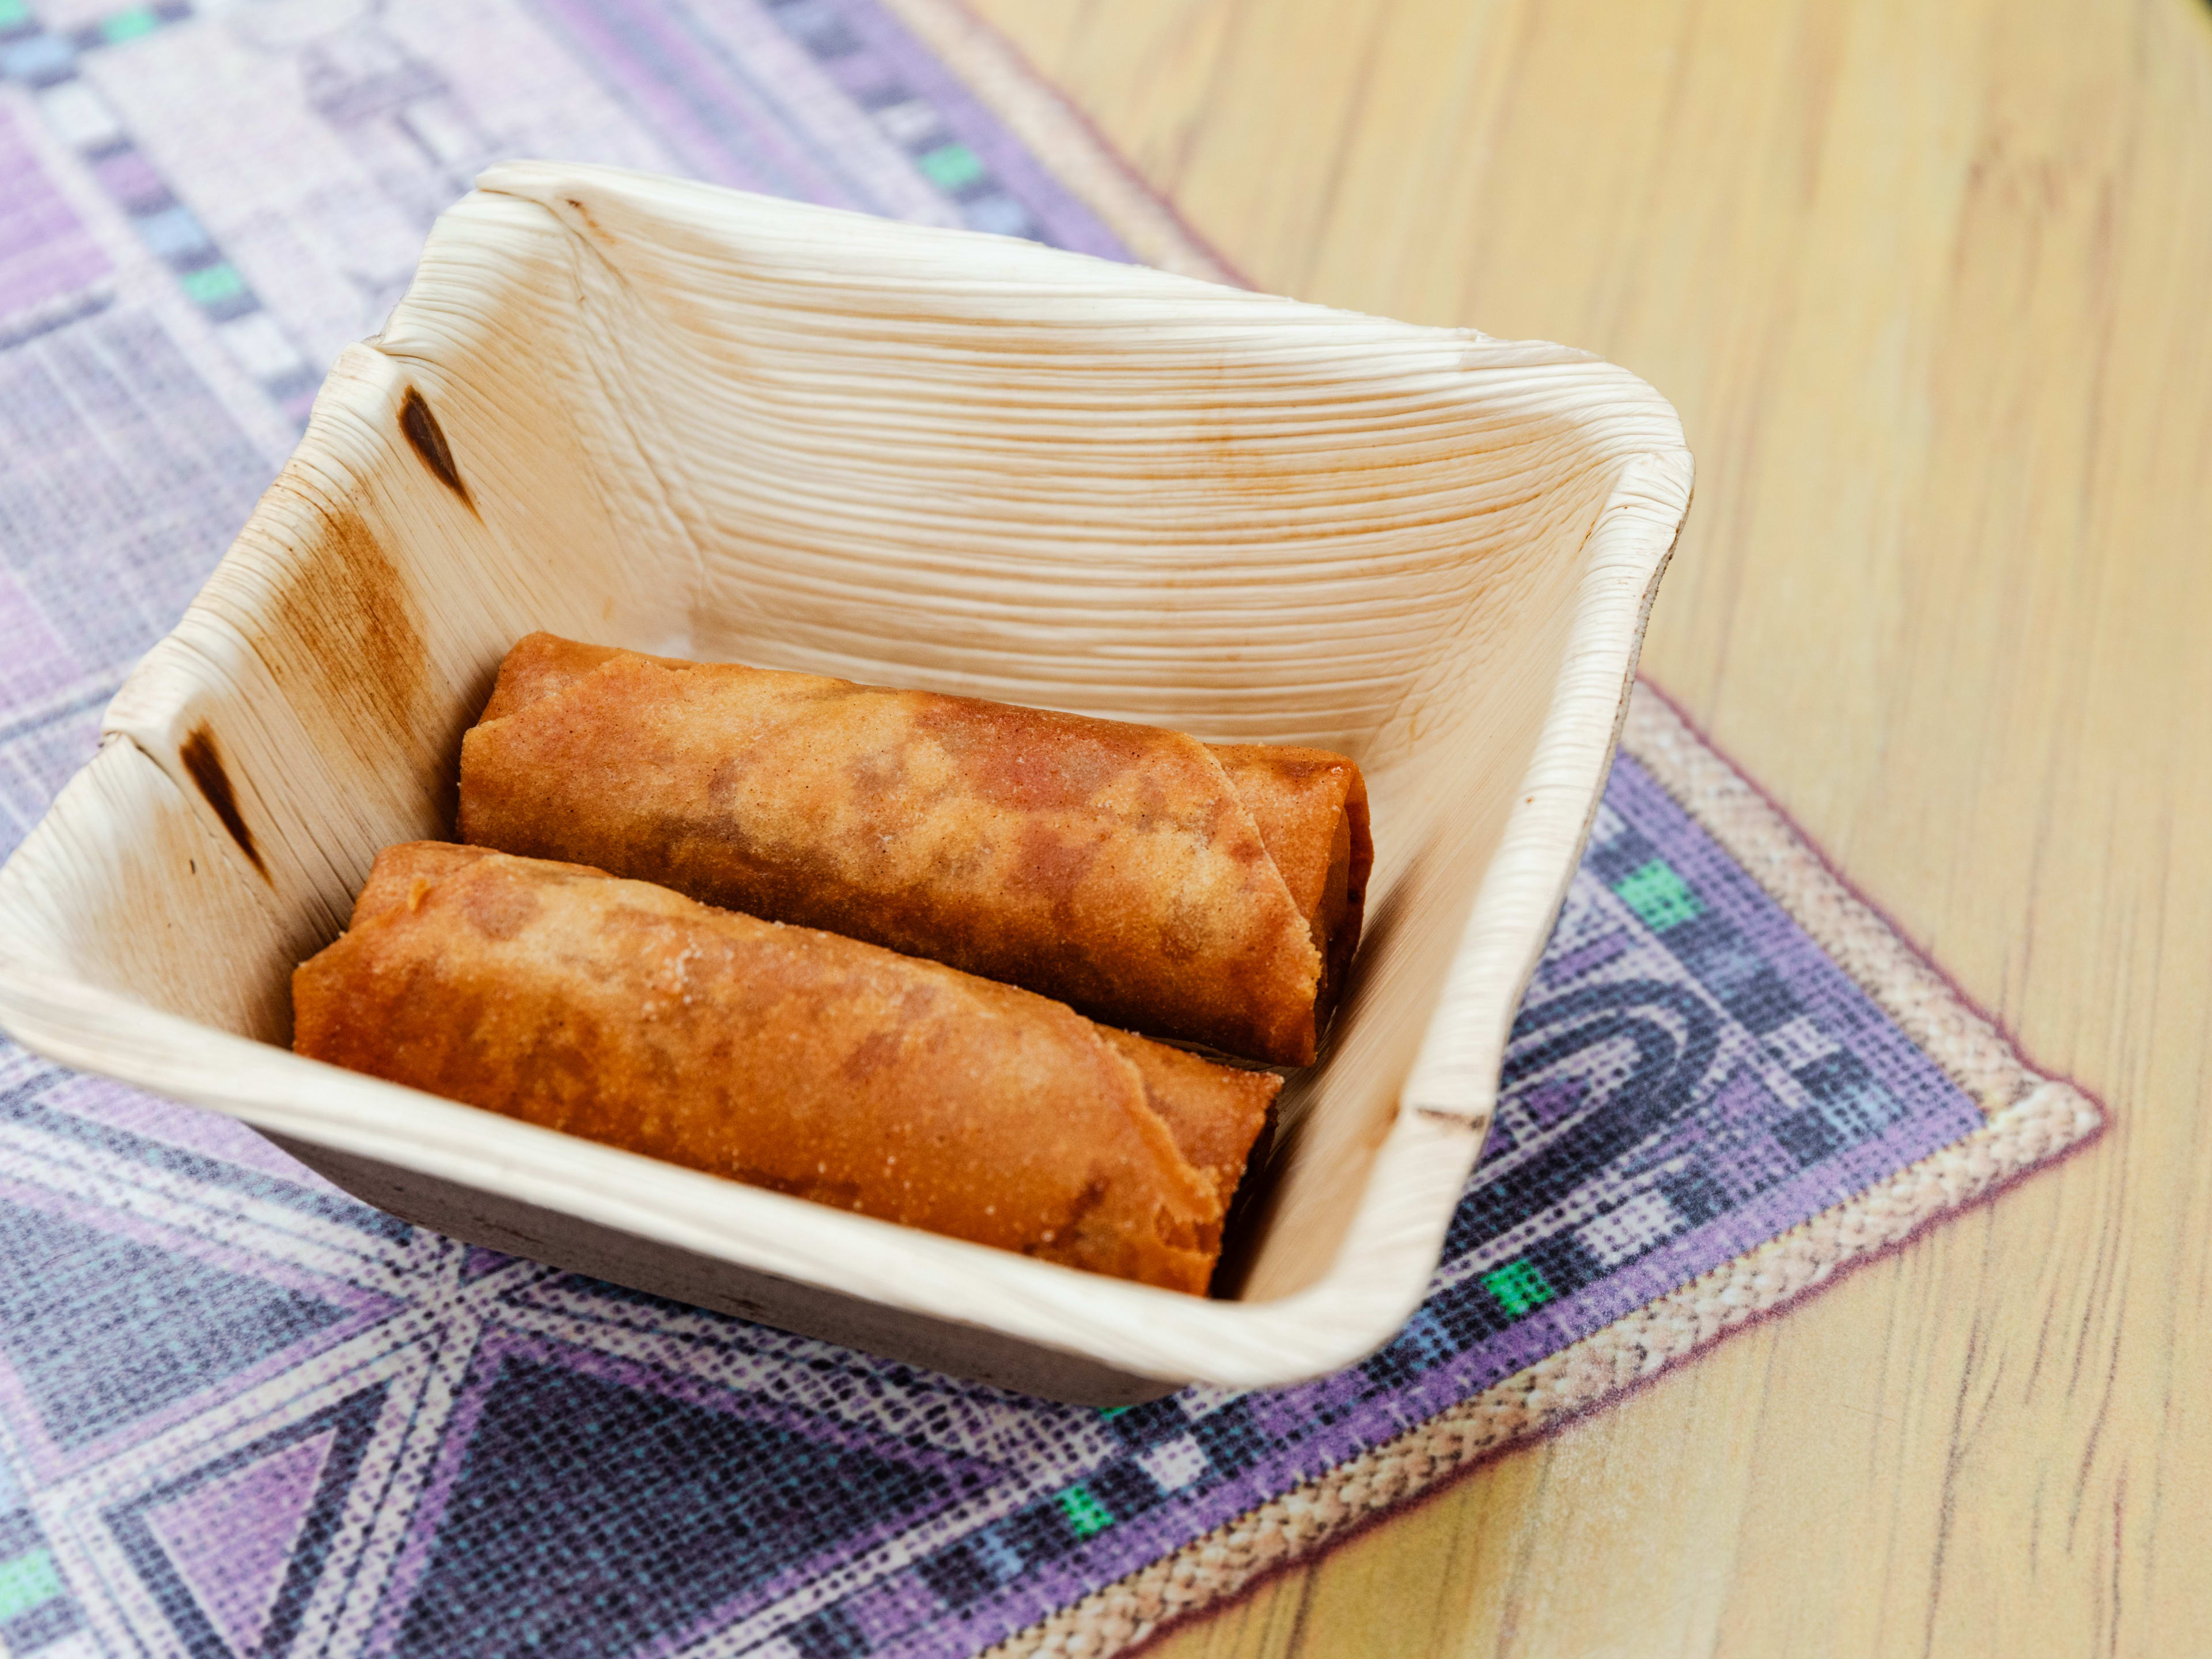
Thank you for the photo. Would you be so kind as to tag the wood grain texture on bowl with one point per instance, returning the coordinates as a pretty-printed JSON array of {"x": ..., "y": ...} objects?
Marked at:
[{"x": 705, "y": 424}]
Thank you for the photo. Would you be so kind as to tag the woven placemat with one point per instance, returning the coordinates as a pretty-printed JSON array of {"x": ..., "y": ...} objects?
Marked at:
[
  {"x": 2022, "y": 1119},
  {"x": 241, "y": 1414}
]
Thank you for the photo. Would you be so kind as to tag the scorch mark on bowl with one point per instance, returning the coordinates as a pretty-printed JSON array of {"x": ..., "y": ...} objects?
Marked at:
[
  {"x": 428, "y": 439},
  {"x": 204, "y": 761}
]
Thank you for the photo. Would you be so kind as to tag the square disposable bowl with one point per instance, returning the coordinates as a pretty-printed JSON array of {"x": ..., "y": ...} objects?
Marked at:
[{"x": 709, "y": 424}]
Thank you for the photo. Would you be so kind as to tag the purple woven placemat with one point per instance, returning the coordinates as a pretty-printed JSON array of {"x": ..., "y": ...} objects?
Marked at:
[{"x": 242, "y": 1415}]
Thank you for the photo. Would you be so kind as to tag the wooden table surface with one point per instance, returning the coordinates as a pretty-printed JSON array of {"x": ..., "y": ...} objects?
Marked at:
[{"x": 1930, "y": 282}]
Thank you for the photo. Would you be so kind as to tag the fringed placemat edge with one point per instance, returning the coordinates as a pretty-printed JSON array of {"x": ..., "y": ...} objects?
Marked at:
[
  {"x": 1062, "y": 137},
  {"x": 1939, "y": 1018},
  {"x": 2031, "y": 1121},
  {"x": 2049, "y": 1120}
]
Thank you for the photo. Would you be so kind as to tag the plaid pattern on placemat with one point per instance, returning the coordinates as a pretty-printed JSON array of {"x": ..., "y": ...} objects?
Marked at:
[{"x": 241, "y": 1414}]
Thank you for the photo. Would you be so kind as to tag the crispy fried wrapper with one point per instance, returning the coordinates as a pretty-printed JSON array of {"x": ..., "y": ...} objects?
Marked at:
[
  {"x": 783, "y": 1057},
  {"x": 1209, "y": 894}
]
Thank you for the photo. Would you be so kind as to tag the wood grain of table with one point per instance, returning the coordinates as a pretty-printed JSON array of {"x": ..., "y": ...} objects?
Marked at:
[{"x": 1931, "y": 284}]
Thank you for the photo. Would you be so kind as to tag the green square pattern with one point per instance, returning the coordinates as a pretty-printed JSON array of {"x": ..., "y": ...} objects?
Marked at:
[
  {"x": 950, "y": 166},
  {"x": 27, "y": 1582},
  {"x": 1084, "y": 1513},
  {"x": 12, "y": 12},
  {"x": 1518, "y": 1286},
  {"x": 1660, "y": 898},
  {"x": 129, "y": 25},
  {"x": 213, "y": 282}
]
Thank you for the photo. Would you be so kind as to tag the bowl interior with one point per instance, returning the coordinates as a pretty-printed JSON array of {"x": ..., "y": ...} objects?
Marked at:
[{"x": 694, "y": 422}]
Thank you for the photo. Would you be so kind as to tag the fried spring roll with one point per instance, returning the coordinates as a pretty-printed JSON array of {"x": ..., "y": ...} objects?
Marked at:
[
  {"x": 1207, "y": 894},
  {"x": 782, "y": 1057}
]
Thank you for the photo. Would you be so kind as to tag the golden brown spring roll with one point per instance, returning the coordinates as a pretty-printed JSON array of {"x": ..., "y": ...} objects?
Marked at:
[
  {"x": 1208, "y": 894},
  {"x": 783, "y": 1057}
]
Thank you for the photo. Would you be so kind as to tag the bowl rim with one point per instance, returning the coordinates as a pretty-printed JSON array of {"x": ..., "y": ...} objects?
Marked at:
[{"x": 1381, "y": 1265}]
